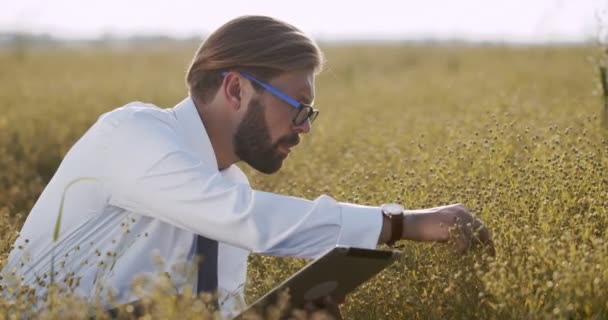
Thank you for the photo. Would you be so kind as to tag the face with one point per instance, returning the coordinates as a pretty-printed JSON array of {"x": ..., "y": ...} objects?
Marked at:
[{"x": 266, "y": 134}]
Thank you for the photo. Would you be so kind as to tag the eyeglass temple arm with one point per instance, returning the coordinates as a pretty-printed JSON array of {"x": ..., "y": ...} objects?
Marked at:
[{"x": 273, "y": 90}]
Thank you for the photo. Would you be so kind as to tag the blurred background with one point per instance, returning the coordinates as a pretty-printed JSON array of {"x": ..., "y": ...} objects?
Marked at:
[
  {"x": 495, "y": 104},
  {"x": 477, "y": 21}
]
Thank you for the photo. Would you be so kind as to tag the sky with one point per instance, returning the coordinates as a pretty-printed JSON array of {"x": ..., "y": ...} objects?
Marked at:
[{"x": 525, "y": 21}]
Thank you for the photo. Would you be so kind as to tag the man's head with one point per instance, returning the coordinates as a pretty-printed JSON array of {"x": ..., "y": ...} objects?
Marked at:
[{"x": 260, "y": 73}]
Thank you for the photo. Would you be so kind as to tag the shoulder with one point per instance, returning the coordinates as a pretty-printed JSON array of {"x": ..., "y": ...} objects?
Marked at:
[
  {"x": 142, "y": 126},
  {"x": 137, "y": 112},
  {"x": 235, "y": 174}
]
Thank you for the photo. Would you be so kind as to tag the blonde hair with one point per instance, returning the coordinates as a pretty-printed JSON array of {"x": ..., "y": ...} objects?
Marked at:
[{"x": 261, "y": 45}]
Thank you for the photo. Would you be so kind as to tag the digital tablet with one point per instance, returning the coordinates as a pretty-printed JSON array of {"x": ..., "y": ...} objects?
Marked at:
[{"x": 337, "y": 273}]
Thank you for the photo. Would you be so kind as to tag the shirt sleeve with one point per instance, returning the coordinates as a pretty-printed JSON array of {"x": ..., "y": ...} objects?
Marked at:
[{"x": 152, "y": 172}]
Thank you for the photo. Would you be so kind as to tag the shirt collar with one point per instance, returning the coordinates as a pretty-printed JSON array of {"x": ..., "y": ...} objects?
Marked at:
[{"x": 194, "y": 131}]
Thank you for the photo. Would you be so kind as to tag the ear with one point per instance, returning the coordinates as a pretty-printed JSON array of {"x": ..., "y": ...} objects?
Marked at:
[{"x": 232, "y": 90}]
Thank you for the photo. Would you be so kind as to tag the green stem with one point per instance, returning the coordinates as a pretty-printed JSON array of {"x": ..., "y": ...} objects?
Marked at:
[
  {"x": 604, "y": 80},
  {"x": 58, "y": 223}
]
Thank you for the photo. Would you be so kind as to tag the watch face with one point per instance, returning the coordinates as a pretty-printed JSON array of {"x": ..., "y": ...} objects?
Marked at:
[{"x": 392, "y": 208}]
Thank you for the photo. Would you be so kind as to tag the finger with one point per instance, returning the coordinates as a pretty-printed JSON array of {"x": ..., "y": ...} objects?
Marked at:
[
  {"x": 481, "y": 236},
  {"x": 490, "y": 249},
  {"x": 462, "y": 238},
  {"x": 488, "y": 243}
]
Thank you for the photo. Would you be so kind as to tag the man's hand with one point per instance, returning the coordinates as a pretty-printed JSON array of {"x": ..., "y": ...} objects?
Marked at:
[{"x": 452, "y": 222}]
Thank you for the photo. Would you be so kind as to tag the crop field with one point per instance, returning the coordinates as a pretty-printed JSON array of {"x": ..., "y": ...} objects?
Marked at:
[{"x": 514, "y": 133}]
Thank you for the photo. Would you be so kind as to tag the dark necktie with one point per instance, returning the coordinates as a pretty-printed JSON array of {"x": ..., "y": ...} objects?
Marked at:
[{"x": 206, "y": 249}]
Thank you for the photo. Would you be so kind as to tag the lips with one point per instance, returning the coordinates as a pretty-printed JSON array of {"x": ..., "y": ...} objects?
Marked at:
[
  {"x": 285, "y": 145},
  {"x": 286, "y": 148}
]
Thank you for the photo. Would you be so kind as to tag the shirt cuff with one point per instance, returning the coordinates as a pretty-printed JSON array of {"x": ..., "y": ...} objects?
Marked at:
[{"x": 361, "y": 226}]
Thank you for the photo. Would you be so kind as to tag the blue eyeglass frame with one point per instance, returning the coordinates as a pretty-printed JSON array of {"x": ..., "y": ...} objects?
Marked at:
[{"x": 312, "y": 112}]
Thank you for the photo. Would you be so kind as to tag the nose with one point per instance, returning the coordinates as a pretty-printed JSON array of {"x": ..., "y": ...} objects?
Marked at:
[{"x": 304, "y": 127}]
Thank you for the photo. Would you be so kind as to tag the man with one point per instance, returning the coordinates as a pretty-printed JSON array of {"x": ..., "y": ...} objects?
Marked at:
[{"x": 146, "y": 181}]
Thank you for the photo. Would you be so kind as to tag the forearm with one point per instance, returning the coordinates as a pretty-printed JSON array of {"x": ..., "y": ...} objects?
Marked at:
[
  {"x": 425, "y": 225},
  {"x": 436, "y": 224},
  {"x": 430, "y": 224}
]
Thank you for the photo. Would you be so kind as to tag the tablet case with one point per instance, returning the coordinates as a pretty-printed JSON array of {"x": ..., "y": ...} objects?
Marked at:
[{"x": 337, "y": 272}]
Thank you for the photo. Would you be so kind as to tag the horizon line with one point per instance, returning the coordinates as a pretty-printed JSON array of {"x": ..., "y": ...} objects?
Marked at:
[{"x": 16, "y": 35}]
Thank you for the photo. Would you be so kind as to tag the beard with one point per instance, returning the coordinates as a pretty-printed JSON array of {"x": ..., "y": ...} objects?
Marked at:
[{"x": 253, "y": 143}]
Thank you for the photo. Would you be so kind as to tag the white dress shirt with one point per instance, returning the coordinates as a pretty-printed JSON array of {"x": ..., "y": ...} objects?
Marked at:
[{"x": 137, "y": 188}]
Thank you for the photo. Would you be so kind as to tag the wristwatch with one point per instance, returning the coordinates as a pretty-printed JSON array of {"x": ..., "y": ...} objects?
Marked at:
[{"x": 394, "y": 212}]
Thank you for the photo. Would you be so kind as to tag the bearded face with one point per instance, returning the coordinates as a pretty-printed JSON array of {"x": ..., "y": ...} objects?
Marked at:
[{"x": 253, "y": 142}]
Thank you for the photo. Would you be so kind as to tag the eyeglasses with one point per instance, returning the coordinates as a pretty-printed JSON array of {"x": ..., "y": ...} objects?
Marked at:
[{"x": 305, "y": 111}]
